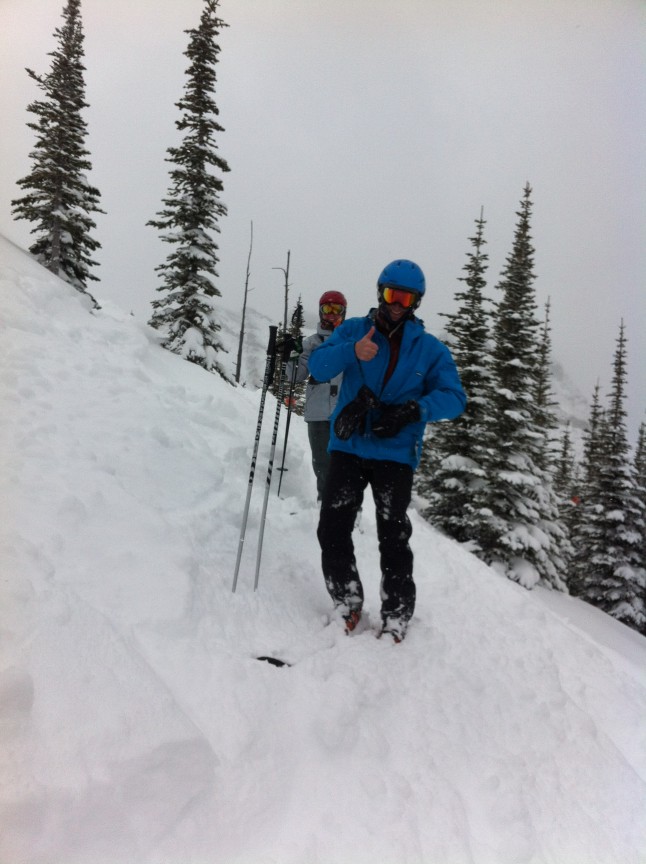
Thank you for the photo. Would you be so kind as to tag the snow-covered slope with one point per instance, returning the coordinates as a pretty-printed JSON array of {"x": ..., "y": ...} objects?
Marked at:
[{"x": 137, "y": 725}]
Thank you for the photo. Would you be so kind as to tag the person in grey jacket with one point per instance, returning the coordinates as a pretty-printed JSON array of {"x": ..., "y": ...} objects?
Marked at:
[{"x": 320, "y": 396}]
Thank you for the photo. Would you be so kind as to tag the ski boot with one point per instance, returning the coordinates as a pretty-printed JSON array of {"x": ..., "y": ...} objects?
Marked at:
[
  {"x": 395, "y": 628},
  {"x": 348, "y": 616},
  {"x": 352, "y": 620}
]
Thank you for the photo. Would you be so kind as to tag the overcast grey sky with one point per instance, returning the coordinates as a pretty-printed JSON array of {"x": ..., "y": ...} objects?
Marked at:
[{"x": 358, "y": 131}]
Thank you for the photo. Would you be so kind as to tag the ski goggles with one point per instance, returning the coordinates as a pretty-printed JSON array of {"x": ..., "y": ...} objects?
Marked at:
[
  {"x": 407, "y": 299},
  {"x": 332, "y": 309}
]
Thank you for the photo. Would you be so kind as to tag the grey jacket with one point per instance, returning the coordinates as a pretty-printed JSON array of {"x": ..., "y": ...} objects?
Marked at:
[{"x": 320, "y": 397}]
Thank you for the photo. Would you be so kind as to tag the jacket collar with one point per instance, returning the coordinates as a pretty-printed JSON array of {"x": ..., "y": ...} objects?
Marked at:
[{"x": 415, "y": 324}]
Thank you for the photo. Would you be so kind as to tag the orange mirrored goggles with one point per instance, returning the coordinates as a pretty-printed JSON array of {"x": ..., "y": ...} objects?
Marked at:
[
  {"x": 332, "y": 309},
  {"x": 407, "y": 299}
]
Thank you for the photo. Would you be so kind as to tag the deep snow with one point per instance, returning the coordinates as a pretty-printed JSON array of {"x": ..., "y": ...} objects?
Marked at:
[{"x": 137, "y": 727}]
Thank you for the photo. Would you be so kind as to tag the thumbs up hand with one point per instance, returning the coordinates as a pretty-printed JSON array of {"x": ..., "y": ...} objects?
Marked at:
[{"x": 365, "y": 348}]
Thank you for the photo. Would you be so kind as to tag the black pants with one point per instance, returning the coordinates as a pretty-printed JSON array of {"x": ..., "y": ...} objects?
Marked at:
[
  {"x": 391, "y": 484},
  {"x": 318, "y": 431}
]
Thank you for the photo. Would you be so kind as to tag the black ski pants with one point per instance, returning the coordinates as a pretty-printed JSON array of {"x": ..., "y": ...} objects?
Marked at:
[
  {"x": 391, "y": 484},
  {"x": 318, "y": 431}
]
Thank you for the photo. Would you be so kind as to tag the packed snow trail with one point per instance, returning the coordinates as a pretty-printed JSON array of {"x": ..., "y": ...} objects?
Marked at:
[{"x": 138, "y": 726}]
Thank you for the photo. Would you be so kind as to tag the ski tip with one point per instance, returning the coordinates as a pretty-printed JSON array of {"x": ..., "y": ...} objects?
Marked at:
[{"x": 274, "y": 661}]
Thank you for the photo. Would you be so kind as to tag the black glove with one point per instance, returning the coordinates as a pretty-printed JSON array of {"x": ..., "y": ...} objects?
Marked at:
[
  {"x": 353, "y": 416},
  {"x": 395, "y": 417},
  {"x": 287, "y": 346}
]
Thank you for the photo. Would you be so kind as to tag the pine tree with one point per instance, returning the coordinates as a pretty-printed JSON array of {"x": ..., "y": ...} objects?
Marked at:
[
  {"x": 544, "y": 415},
  {"x": 584, "y": 532},
  {"x": 556, "y": 528},
  {"x": 567, "y": 481},
  {"x": 640, "y": 483},
  {"x": 640, "y": 479},
  {"x": 609, "y": 561},
  {"x": 451, "y": 469},
  {"x": 298, "y": 320},
  {"x": 564, "y": 467},
  {"x": 61, "y": 199},
  {"x": 274, "y": 387},
  {"x": 523, "y": 536},
  {"x": 592, "y": 441},
  {"x": 296, "y": 330},
  {"x": 186, "y": 314}
]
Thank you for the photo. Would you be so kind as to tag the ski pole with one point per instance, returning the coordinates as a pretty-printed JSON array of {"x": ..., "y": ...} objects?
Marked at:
[
  {"x": 269, "y": 372},
  {"x": 292, "y": 386},
  {"x": 287, "y": 347}
]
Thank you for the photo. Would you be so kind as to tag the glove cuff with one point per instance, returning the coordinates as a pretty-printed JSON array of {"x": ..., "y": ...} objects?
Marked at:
[{"x": 413, "y": 411}]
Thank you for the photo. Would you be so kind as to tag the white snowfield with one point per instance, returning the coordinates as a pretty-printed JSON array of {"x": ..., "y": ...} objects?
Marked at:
[{"x": 136, "y": 725}]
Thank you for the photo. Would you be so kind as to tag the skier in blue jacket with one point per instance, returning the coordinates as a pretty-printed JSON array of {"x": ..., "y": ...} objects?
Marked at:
[{"x": 396, "y": 379}]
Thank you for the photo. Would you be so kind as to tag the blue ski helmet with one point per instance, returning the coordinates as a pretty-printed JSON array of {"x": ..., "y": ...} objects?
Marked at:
[{"x": 403, "y": 274}]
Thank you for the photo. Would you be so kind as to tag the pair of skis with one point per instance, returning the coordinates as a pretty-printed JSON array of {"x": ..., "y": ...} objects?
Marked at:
[{"x": 269, "y": 374}]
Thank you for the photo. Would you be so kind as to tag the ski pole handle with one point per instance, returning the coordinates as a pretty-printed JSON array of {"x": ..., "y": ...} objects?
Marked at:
[
  {"x": 271, "y": 345},
  {"x": 279, "y": 401},
  {"x": 292, "y": 385},
  {"x": 271, "y": 352}
]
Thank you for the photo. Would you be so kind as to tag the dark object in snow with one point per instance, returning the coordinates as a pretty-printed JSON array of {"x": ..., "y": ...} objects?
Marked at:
[{"x": 274, "y": 661}]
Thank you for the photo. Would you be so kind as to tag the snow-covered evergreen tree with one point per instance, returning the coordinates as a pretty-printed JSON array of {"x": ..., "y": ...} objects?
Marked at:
[
  {"x": 567, "y": 481},
  {"x": 296, "y": 330},
  {"x": 544, "y": 415},
  {"x": 297, "y": 320},
  {"x": 451, "y": 468},
  {"x": 59, "y": 198},
  {"x": 586, "y": 539},
  {"x": 523, "y": 536},
  {"x": 186, "y": 313},
  {"x": 564, "y": 468},
  {"x": 640, "y": 481},
  {"x": 609, "y": 564},
  {"x": 592, "y": 441}
]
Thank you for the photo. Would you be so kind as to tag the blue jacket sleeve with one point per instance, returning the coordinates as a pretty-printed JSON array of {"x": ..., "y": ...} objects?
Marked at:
[
  {"x": 444, "y": 397},
  {"x": 335, "y": 354}
]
